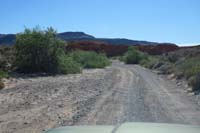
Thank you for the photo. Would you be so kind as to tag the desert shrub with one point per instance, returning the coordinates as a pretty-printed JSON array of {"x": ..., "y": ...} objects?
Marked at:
[
  {"x": 194, "y": 82},
  {"x": 133, "y": 56},
  {"x": 164, "y": 67},
  {"x": 3, "y": 63},
  {"x": 3, "y": 74},
  {"x": 172, "y": 57},
  {"x": 90, "y": 59},
  {"x": 7, "y": 58},
  {"x": 151, "y": 62},
  {"x": 189, "y": 67},
  {"x": 41, "y": 51},
  {"x": 68, "y": 65}
]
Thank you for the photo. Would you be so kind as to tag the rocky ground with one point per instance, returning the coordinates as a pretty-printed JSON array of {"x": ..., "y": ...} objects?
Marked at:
[{"x": 111, "y": 96}]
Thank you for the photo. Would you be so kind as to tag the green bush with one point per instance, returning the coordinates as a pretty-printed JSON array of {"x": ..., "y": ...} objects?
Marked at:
[
  {"x": 189, "y": 67},
  {"x": 68, "y": 65},
  {"x": 3, "y": 74},
  {"x": 172, "y": 57},
  {"x": 90, "y": 59},
  {"x": 41, "y": 51},
  {"x": 150, "y": 62},
  {"x": 7, "y": 57},
  {"x": 194, "y": 82},
  {"x": 133, "y": 56}
]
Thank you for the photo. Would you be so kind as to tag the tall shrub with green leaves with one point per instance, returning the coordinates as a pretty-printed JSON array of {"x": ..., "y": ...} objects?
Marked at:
[
  {"x": 40, "y": 51},
  {"x": 133, "y": 56}
]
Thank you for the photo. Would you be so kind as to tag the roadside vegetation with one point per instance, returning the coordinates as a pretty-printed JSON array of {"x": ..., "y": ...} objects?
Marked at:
[
  {"x": 184, "y": 63},
  {"x": 7, "y": 57},
  {"x": 90, "y": 59},
  {"x": 134, "y": 56},
  {"x": 40, "y": 51},
  {"x": 2, "y": 75},
  {"x": 189, "y": 68},
  {"x": 183, "y": 67},
  {"x": 150, "y": 61}
]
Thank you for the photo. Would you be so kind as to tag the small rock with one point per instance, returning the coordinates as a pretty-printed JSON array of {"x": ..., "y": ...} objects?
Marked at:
[
  {"x": 171, "y": 76},
  {"x": 179, "y": 83},
  {"x": 191, "y": 94},
  {"x": 60, "y": 105},
  {"x": 189, "y": 90}
]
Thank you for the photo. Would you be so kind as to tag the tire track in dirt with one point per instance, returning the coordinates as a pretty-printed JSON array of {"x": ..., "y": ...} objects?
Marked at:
[{"x": 120, "y": 93}]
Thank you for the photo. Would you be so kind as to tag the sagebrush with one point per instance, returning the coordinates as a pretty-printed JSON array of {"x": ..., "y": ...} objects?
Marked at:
[
  {"x": 133, "y": 56},
  {"x": 90, "y": 59}
]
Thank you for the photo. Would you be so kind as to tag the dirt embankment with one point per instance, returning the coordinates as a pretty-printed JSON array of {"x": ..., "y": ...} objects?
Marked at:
[{"x": 40, "y": 103}]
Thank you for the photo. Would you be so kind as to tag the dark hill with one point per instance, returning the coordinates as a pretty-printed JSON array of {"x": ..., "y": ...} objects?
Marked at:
[
  {"x": 9, "y": 39},
  {"x": 70, "y": 36}
]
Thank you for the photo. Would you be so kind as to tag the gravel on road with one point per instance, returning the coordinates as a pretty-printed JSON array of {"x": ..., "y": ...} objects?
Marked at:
[{"x": 111, "y": 96}]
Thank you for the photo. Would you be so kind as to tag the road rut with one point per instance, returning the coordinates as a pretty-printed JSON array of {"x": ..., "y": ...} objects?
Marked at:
[{"x": 120, "y": 93}]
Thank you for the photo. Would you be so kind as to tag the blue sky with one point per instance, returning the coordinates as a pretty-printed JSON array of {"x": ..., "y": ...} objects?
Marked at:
[{"x": 176, "y": 21}]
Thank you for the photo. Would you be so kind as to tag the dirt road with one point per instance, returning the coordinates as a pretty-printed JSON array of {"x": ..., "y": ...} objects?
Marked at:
[{"x": 120, "y": 93}]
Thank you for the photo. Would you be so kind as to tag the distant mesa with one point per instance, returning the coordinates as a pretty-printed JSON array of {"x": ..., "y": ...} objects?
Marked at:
[
  {"x": 112, "y": 47},
  {"x": 67, "y": 36},
  {"x": 9, "y": 39}
]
